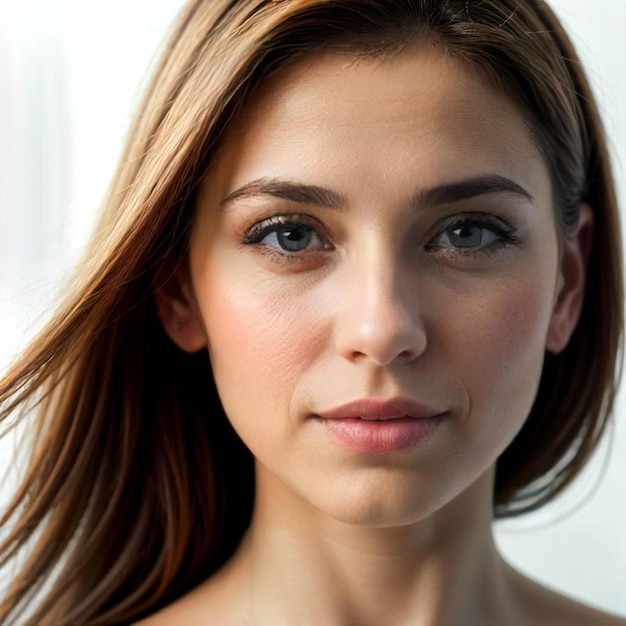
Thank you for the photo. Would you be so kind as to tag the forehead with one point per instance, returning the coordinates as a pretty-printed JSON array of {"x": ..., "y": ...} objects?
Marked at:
[{"x": 436, "y": 115}]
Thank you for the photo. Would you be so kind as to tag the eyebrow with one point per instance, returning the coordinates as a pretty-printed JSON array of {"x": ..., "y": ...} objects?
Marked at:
[
  {"x": 471, "y": 188},
  {"x": 286, "y": 190},
  {"x": 448, "y": 193}
]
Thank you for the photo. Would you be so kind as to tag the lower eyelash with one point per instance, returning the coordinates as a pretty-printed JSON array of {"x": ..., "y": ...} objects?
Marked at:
[
  {"x": 505, "y": 236},
  {"x": 254, "y": 236}
]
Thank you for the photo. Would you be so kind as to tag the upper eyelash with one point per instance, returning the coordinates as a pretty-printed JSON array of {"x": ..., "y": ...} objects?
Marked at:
[
  {"x": 483, "y": 219},
  {"x": 259, "y": 230},
  {"x": 256, "y": 232},
  {"x": 505, "y": 232}
]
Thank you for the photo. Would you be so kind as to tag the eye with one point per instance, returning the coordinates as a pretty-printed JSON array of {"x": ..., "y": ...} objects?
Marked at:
[
  {"x": 290, "y": 237},
  {"x": 288, "y": 234},
  {"x": 473, "y": 234}
]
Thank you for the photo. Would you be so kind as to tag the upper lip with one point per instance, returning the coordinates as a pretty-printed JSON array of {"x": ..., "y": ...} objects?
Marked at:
[{"x": 377, "y": 409}]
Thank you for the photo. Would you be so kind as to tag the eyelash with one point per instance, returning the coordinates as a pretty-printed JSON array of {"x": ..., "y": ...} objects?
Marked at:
[
  {"x": 504, "y": 235},
  {"x": 259, "y": 231}
]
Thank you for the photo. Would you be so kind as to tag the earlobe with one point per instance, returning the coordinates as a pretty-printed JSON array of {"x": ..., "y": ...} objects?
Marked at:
[
  {"x": 178, "y": 311},
  {"x": 570, "y": 293}
]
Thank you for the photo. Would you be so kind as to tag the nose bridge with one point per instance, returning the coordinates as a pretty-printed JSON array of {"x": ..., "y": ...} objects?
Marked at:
[{"x": 379, "y": 315}]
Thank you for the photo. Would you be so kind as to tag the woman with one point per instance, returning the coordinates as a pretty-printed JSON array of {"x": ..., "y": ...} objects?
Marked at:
[{"x": 356, "y": 290}]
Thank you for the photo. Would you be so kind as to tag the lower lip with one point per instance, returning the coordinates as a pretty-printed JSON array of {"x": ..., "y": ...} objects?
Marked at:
[{"x": 380, "y": 436}]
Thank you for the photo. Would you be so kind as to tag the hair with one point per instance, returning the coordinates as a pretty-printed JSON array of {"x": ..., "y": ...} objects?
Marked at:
[{"x": 137, "y": 488}]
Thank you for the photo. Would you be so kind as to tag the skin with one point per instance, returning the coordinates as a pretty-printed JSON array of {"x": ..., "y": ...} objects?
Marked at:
[{"x": 391, "y": 296}]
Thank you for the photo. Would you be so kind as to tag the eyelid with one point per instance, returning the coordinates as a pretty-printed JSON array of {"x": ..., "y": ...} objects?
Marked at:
[
  {"x": 483, "y": 219},
  {"x": 261, "y": 228},
  {"x": 280, "y": 219},
  {"x": 506, "y": 233}
]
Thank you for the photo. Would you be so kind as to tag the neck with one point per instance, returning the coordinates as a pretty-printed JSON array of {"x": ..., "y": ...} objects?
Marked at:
[{"x": 302, "y": 567}]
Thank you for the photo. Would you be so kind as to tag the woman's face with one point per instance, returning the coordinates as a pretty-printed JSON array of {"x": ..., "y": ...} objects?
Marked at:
[{"x": 376, "y": 270}]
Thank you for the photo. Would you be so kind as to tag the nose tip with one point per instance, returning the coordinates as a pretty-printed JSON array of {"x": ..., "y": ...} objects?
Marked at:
[
  {"x": 380, "y": 345},
  {"x": 380, "y": 327}
]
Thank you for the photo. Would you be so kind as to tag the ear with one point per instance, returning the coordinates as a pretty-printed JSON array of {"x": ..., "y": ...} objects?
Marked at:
[
  {"x": 177, "y": 308},
  {"x": 570, "y": 292}
]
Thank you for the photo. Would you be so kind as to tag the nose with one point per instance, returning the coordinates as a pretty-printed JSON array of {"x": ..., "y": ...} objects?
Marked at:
[{"x": 379, "y": 319}]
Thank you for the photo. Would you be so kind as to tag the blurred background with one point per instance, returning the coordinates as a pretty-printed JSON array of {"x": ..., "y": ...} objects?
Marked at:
[{"x": 71, "y": 75}]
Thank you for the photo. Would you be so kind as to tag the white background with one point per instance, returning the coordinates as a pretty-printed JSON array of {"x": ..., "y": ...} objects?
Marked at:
[{"x": 71, "y": 73}]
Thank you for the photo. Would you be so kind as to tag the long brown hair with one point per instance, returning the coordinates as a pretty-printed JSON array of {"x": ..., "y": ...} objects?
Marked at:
[{"x": 137, "y": 487}]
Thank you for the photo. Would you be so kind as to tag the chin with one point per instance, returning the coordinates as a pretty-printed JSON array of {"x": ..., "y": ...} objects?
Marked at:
[{"x": 375, "y": 503}]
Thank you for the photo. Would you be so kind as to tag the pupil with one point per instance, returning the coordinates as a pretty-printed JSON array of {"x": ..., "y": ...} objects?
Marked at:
[
  {"x": 294, "y": 238},
  {"x": 466, "y": 236}
]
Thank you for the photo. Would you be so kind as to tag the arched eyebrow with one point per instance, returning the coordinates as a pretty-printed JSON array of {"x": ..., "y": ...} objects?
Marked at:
[
  {"x": 448, "y": 193},
  {"x": 286, "y": 190},
  {"x": 470, "y": 188}
]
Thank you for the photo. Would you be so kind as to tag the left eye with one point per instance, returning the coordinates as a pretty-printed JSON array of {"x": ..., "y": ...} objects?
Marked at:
[{"x": 471, "y": 235}]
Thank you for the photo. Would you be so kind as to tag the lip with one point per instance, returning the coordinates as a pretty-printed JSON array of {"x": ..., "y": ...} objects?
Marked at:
[
  {"x": 372, "y": 409},
  {"x": 380, "y": 426}
]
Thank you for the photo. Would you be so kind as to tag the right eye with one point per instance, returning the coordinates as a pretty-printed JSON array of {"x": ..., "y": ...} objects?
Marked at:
[{"x": 287, "y": 234}]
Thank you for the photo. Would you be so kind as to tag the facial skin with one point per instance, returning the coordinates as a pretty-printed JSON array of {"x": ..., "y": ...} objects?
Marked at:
[
  {"x": 376, "y": 229},
  {"x": 396, "y": 291}
]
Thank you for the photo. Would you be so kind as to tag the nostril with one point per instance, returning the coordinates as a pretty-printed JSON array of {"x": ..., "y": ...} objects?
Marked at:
[
  {"x": 407, "y": 356},
  {"x": 402, "y": 346}
]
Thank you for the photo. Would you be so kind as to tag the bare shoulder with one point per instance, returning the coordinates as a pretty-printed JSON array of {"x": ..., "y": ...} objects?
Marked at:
[
  {"x": 196, "y": 609},
  {"x": 544, "y": 606},
  {"x": 213, "y": 603}
]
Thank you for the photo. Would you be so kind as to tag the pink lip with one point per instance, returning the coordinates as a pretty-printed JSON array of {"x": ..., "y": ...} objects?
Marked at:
[
  {"x": 377, "y": 426},
  {"x": 383, "y": 410}
]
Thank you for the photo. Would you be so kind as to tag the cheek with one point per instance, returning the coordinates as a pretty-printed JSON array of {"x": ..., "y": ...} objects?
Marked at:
[
  {"x": 501, "y": 360},
  {"x": 260, "y": 341},
  {"x": 513, "y": 327}
]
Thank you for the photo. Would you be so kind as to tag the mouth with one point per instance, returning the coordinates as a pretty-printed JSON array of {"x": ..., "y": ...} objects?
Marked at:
[
  {"x": 378, "y": 410},
  {"x": 380, "y": 426}
]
